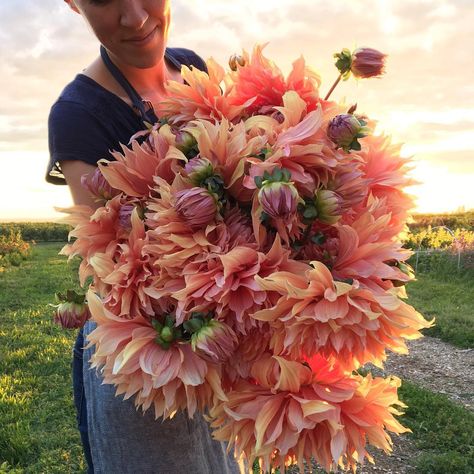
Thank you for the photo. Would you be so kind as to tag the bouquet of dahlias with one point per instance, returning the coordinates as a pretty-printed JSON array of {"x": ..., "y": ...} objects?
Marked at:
[{"x": 246, "y": 262}]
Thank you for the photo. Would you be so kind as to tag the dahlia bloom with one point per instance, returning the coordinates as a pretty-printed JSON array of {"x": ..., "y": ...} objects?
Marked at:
[
  {"x": 260, "y": 84},
  {"x": 346, "y": 322},
  {"x": 134, "y": 169},
  {"x": 287, "y": 418},
  {"x": 167, "y": 379},
  {"x": 200, "y": 97}
]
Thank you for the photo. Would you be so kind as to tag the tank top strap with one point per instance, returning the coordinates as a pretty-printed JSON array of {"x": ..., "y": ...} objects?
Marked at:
[{"x": 143, "y": 108}]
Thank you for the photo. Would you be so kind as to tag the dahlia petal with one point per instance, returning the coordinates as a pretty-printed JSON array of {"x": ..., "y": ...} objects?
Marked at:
[{"x": 193, "y": 369}]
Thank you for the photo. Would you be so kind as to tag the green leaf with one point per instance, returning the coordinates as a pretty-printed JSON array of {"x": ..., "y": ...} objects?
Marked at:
[
  {"x": 193, "y": 325},
  {"x": 318, "y": 239},
  {"x": 164, "y": 344},
  {"x": 310, "y": 213},
  {"x": 169, "y": 321},
  {"x": 258, "y": 181},
  {"x": 286, "y": 175},
  {"x": 277, "y": 175},
  {"x": 157, "y": 326}
]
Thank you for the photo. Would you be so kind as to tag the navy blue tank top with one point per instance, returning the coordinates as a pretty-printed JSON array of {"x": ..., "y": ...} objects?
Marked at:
[{"x": 88, "y": 121}]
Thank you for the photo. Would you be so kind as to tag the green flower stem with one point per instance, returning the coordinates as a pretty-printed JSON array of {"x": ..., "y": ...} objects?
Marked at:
[
  {"x": 333, "y": 87},
  {"x": 304, "y": 239}
]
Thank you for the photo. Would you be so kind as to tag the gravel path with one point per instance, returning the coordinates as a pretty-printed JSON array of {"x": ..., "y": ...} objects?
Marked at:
[{"x": 438, "y": 367}]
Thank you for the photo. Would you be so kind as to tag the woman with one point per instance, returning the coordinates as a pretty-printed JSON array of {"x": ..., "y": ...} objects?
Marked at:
[{"x": 100, "y": 108}]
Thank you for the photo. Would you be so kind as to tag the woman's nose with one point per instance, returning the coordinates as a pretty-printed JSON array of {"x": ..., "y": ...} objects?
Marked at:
[{"x": 133, "y": 14}]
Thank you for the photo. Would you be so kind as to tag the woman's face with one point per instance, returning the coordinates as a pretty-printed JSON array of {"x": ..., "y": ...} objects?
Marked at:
[{"x": 135, "y": 32}]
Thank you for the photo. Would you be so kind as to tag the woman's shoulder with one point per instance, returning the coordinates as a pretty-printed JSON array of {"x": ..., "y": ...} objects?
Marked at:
[
  {"x": 187, "y": 57},
  {"x": 83, "y": 93}
]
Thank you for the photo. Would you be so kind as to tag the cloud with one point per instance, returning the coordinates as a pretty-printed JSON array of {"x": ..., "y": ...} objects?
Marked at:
[{"x": 427, "y": 41}]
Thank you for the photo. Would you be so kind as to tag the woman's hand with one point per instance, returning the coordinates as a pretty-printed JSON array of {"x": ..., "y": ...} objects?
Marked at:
[{"x": 72, "y": 171}]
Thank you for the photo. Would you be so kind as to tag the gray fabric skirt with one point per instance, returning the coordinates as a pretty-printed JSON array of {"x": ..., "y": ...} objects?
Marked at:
[{"x": 124, "y": 440}]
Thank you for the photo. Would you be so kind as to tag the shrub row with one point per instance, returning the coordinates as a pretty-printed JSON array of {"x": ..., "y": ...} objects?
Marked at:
[
  {"x": 37, "y": 231},
  {"x": 441, "y": 238},
  {"x": 13, "y": 249},
  {"x": 462, "y": 220}
]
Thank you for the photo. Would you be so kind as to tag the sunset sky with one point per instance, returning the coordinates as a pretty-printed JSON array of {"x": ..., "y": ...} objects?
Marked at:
[{"x": 426, "y": 99}]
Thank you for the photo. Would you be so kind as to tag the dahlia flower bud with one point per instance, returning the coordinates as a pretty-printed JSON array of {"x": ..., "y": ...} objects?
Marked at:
[
  {"x": 235, "y": 61},
  {"x": 72, "y": 311},
  {"x": 185, "y": 142},
  {"x": 345, "y": 130},
  {"x": 367, "y": 62},
  {"x": 279, "y": 199},
  {"x": 197, "y": 206},
  {"x": 214, "y": 341},
  {"x": 125, "y": 216},
  {"x": 167, "y": 331},
  {"x": 198, "y": 170},
  {"x": 328, "y": 206},
  {"x": 362, "y": 63},
  {"x": 98, "y": 186}
]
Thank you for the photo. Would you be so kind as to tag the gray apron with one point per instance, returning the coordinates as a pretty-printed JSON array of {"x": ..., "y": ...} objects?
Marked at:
[{"x": 124, "y": 440}]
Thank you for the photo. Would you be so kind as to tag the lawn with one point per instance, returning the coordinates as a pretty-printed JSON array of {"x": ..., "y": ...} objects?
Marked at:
[
  {"x": 37, "y": 422},
  {"x": 447, "y": 295}
]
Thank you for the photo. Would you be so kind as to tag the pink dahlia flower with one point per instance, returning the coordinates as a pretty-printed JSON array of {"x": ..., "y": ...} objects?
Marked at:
[
  {"x": 261, "y": 84},
  {"x": 197, "y": 206},
  {"x": 293, "y": 413},
  {"x": 130, "y": 358},
  {"x": 339, "y": 320},
  {"x": 200, "y": 97},
  {"x": 134, "y": 169}
]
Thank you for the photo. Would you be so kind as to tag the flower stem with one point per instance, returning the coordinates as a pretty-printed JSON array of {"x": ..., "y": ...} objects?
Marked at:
[
  {"x": 333, "y": 87},
  {"x": 304, "y": 239}
]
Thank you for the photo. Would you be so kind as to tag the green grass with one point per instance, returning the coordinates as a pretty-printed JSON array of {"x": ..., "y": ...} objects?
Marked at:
[
  {"x": 448, "y": 297},
  {"x": 37, "y": 421},
  {"x": 442, "y": 430}
]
